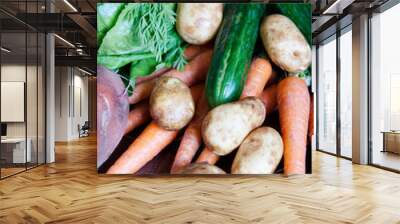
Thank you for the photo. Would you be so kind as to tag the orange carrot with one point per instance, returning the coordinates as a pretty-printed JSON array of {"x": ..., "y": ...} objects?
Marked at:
[
  {"x": 191, "y": 139},
  {"x": 194, "y": 72},
  {"x": 141, "y": 91},
  {"x": 207, "y": 156},
  {"x": 268, "y": 97},
  {"x": 196, "y": 91},
  {"x": 155, "y": 74},
  {"x": 294, "y": 111},
  {"x": 193, "y": 50},
  {"x": 259, "y": 73},
  {"x": 147, "y": 145},
  {"x": 138, "y": 116}
]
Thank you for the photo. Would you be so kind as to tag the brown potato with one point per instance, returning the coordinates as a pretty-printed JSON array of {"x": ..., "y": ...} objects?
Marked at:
[
  {"x": 285, "y": 44},
  {"x": 225, "y": 126},
  {"x": 171, "y": 103},
  {"x": 197, "y": 23},
  {"x": 202, "y": 168},
  {"x": 260, "y": 152}
]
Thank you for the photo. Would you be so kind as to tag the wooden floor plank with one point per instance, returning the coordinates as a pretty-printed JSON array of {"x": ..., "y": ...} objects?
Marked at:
[{"x": 71, "y": 191}]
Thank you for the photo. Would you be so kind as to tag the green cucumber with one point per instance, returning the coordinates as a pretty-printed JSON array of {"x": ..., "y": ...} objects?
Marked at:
[{"x": 233, "y": 52}]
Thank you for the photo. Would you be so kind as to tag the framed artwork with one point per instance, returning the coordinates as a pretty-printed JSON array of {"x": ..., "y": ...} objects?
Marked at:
[{"x": 204, "y": 88}]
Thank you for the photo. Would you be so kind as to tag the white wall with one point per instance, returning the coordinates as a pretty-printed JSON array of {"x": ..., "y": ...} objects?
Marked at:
[
  {"x": 81, "y": 84},
  {"x": 71, "y": 94},
  {"x": 33, "y": 127},
  {"x": 62, "y": 81},
  {"x": 16, "y": 73},
  {"x": 10, "y": 73}
]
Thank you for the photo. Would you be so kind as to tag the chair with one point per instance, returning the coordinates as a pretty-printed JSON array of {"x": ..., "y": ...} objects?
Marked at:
[{"x": 84, "y": 130}]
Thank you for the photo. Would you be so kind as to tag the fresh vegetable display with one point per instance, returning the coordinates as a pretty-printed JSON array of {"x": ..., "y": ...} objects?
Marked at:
[{"x": 204, "y": 88}]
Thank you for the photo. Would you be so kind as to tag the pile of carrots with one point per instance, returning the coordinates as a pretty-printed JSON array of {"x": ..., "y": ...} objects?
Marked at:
[{"x": 289, "y": 96}]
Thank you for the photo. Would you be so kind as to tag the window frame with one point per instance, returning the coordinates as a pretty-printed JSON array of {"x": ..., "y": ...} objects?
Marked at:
[
  {"x": 379, "y": 10},
  {"x": 336, "y": 36}
]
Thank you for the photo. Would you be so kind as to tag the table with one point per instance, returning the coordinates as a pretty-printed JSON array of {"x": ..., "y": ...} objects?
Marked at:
[
  {"x": 391, "y": 141},
  {"x": 18, "y": 149}
]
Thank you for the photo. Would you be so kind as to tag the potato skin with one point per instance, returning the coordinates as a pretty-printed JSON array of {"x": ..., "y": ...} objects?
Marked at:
[
  {"x": 260, "y": 152},
  {"x": 197, "y": 23},
  {"x": 225, "y": 126},
  {"x": 202, "y": 168},
  {"x": 285, "y": 44},
  {"x": 171, "y": 103}
]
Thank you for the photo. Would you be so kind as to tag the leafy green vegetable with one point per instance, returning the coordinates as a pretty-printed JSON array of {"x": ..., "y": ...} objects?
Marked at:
[
  {"x": 142, "y": 68},
  {"x": 107, "y": 15},
  {"x": 114, "y": 62},
  {"x": 144, "y": 36}
]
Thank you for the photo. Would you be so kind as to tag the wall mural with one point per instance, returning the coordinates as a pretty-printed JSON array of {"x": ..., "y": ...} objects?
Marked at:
[{"x": 204, "y": 88}]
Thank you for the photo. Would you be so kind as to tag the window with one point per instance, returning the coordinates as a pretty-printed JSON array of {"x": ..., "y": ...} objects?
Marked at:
[
  {"x": 346, "y": 93},
  {"x": 22, "y": 75},
  {"x": 385, "y": 89},
  {"x": 327, "y": 97}
]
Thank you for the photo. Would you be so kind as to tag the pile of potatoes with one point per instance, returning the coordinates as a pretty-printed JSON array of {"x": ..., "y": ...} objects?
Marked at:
[
  {"x": 236, "y": 125},
  {"x": 224, "y": 129},
  {"x": 198, "y": 23}
]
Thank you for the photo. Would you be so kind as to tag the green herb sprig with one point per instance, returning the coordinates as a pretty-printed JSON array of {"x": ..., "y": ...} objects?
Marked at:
[{"x": 156, "y": 29}]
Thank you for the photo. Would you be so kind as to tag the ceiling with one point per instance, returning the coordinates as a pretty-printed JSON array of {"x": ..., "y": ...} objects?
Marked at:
[
  {"x": 35, "y": 6},
  {"x": 74, "y": 22},
  {"x": 332, "y": 15}
]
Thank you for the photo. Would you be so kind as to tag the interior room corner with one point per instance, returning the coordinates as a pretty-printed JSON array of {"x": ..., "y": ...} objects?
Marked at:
[{"x": 49, "y": 171}]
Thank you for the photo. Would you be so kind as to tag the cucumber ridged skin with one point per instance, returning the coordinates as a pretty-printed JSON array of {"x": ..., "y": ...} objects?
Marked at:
[{"x": 233, "y": 52}]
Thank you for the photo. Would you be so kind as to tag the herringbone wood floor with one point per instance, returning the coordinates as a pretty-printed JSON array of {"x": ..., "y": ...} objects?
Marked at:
[{"x": 70, "y": 191}]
